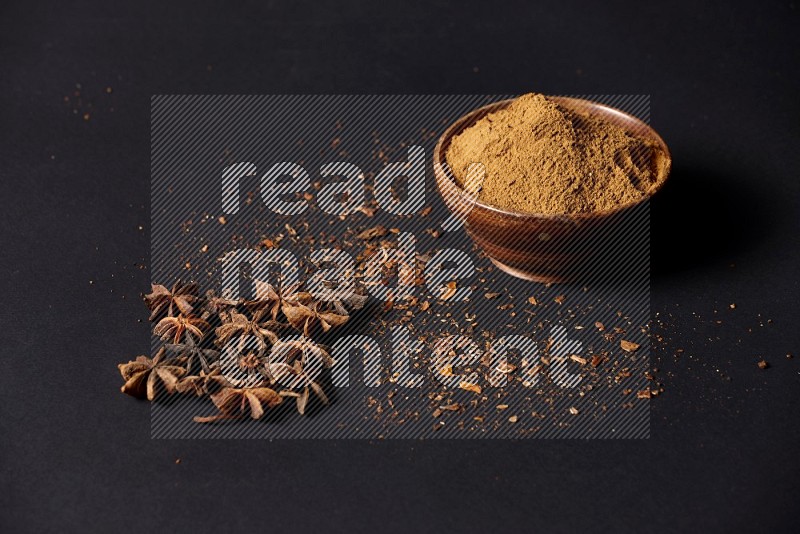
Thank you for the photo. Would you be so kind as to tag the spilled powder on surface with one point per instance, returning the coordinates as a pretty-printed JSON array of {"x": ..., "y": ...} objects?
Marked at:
[{"x": 541, "y": 157}]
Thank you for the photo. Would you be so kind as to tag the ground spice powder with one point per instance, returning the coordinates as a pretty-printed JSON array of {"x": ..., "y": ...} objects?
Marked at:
[{"x": 541, "y": 157}]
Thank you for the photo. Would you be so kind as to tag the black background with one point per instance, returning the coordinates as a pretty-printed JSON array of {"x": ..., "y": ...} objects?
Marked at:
[{"x": 76, "y": 455}]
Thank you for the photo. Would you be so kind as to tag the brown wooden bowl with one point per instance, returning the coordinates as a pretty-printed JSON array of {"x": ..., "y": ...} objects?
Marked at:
[{"x": 555, "y": 248}]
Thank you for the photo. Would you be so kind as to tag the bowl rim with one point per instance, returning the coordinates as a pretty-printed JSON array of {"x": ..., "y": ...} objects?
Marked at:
[{"x": 466, "y": 120}]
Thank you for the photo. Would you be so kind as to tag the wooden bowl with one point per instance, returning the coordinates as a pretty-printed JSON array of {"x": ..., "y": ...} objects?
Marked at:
[{"x": 557, "y": 248}]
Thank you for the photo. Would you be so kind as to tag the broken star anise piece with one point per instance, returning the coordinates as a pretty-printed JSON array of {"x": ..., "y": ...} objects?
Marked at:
[
  {"x": 240, "y": 325},
  {"x": 192, "y": 351},
  {"x": 304, "y": 318},
  {"x": 142, "y": 375},
  {"x": 174, "y": 328},
  {"x": 296, "y": 361},
  {"x": 343, "y": 306},
  {"x": 204, "y": 383},
  {"x": 352, "y": 303},
  {"x": 162, "y": 300},
  {"x": 234, "y": 403}
]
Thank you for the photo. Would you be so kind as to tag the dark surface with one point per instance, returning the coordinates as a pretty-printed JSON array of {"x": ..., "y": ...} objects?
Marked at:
[{"x": 76, "y": 456}]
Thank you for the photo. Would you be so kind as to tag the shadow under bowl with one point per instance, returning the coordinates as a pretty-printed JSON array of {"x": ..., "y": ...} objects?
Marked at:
[{"x": 555, "y": 248}]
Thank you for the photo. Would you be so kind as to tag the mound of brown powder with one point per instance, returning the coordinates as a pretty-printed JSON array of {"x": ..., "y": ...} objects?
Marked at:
[{"x": 541, "y": 157}]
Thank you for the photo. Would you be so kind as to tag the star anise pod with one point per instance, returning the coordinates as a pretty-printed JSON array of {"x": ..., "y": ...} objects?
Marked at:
[
  {"x": 162, "y": 299},
  {"x": 175, "y": 327},
  {"x": 354, "y": 302},
  {"x": 248, "y": 368},
  {"x": 217, "y": 305},
  {"x": 240, "y": 325},
  {"x": 192, "y": 352},
  {"x": 204, "y": 383},
  {"x": 142, "y": 375},
  {"x": 235, "y": 403},
  {"x": 270, "y": 300},
  {"x": 290, "y": 361},
  {"x": 305, "y": 318}
]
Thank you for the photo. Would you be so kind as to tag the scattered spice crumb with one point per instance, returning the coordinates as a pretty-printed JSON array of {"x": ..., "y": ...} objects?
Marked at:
[
  {"x": 369, "y": 212},
  {"x": 434, "y": 233},
  {"x": 628, "y": 346},
  {"x": 449, "y": 290},
  {"x": 469, "y": 386},
  {"x": 372, "y": 233},
  {"x": 576, "y": 358},
  {"x": 506, "y": 367}
]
